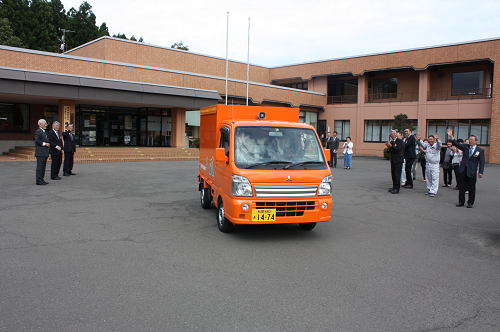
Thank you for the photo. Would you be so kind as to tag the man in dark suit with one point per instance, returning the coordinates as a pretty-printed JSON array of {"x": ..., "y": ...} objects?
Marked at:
[
  {"x": 334, "y": 148},
  {"x": 329, "y": 141},
  {"x": 410, "y": 156},
  {"x": 396, "y": 147},
  {"x": 55, "y": 151},
  {"x": 473, "y": 155},
  {"x": 41, "y": 152},
  {"x": 69, "y": 150}
]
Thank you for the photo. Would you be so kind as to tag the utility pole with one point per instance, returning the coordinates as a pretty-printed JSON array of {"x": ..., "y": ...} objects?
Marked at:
[{"x": 64, "y": 46}]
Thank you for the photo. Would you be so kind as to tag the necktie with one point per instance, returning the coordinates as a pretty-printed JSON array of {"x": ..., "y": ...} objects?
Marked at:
[{"x": 471, "y": 151}]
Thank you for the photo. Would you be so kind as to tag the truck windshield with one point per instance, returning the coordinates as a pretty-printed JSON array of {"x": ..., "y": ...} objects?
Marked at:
[{"x": 277, "y": 147}]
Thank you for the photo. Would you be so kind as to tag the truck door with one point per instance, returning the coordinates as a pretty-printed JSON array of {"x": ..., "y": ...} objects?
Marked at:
[{"x": 222, "y": 168}]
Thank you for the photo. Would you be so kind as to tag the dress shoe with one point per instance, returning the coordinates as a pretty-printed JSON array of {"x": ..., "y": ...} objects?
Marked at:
[
  {"x": 395, "y": 191},
  {"x": 66, "y": 174},
  {"x": 408, "y": 187},
  {"x": 44, "y": 182},
  {"x": 459, "y": 204},
  {"x": 469, "y": 206},
  {"x": 390, "y": 189},
  {"x": 40, "y": 183},
  {"x": 71, "y": 173},
  {"x": 57, "y": 178}
]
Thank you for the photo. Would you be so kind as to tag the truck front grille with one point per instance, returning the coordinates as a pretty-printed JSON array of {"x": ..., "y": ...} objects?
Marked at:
[
  {"x": 287, "y": 209},
  {"x": 285, "y": 191}
]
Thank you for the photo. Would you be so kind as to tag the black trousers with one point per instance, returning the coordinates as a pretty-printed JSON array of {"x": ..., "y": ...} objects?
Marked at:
[
  {"x": 41, "y": 164},
  {"x": 55, "y": 166},
  {"x": 455, "y": 170},
  {"x": 396, "y": 175},
  {"x": 466, "y": 183},
  {"x": 68, "y": 162},
  {"x": 333, "y": 158},
  {"x": 423, "y": 162},
  {"x": 408, "y": 168},
  {"x": 447, "y": 177}
]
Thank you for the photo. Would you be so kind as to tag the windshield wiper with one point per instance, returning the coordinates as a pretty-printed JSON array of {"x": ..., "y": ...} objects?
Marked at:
[
  {"x": 303, "y": 163},
  {"x": 269, "y": 163}
]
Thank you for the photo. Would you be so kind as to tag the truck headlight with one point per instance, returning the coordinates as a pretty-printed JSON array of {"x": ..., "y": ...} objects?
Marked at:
[
  {"x": 240, "y": 186},
  {"x": 325, "y": 187}
]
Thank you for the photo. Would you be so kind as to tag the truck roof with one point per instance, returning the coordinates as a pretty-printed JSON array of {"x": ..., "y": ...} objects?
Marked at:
[{"x": 237, "y": 113}]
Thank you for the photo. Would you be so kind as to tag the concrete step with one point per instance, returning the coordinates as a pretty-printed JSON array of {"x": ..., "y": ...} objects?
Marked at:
[{"x": 114, "y": 154}]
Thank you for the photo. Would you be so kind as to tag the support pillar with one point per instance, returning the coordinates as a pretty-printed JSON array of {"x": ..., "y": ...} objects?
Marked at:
[
  {"x": 358, "y": 123},
  {"x": 178, "y": 136},
  {"x": 66, "y": 113},
  {"x": 423, "y": 88}
]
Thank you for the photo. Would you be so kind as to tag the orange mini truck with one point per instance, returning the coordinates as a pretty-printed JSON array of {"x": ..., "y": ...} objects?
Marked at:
[{"x": 259, "y": 165}]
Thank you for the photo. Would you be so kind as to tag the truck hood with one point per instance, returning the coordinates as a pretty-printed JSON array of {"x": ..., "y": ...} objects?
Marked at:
[{"x": 285, "y": 177}]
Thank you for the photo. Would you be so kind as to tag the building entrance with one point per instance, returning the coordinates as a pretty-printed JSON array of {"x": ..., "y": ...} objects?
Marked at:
[{"x": 112, "y": 126}]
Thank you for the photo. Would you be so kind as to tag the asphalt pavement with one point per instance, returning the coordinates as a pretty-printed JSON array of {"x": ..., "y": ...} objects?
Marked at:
[{"x": 127, "y": 247}]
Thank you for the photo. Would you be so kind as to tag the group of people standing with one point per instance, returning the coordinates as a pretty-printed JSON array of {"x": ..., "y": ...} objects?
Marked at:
[
  {"x": 333, "y": 143},
  {"x": 52, "y": 143},
  {"x": 467, "y": 159}
]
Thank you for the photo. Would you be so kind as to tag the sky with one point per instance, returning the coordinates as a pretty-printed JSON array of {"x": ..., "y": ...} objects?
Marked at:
[{"x": 284, "y": 32}]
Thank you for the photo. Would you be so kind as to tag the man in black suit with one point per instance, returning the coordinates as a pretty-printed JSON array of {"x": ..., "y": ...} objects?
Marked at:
[
  {"x": 410, "y": 156},
  {"x": 41, "y": 151},
  {"x": 332, "y": 143},
  {"x": 396, "y": 148},
  {"x": 55, "y": 151},
  {"x": 69, "y": 150},
  {"x": 473, "y": 155}
]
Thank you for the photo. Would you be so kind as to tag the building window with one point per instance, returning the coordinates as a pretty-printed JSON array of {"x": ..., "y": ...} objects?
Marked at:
[
  {"x": 311, "y": 118},
  {"x": 14, "y": 117},
  {"x": 300, "y": 86},
  {"x": 343, "y": 129},
  {"x": 378, "y": 130},
  {"x": 468, "y": 83},
  {"x": 385, "y": 86},
  {"x": 342, "y": 92},
  {"x": 461, "y": 129}
]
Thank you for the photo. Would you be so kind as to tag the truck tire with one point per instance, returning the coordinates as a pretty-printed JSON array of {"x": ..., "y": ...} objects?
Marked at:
[
  {"x": 307, "y": 225},
  {"x": 225, "y": 226},
  {"x": 205, "y": 199}
]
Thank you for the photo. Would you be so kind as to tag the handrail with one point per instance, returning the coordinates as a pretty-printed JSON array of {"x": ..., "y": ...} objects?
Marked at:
[
  {"x": 344, "y": 99},
  {"x": 391, "y": 97},
  {"x": 477, "y": 93}
]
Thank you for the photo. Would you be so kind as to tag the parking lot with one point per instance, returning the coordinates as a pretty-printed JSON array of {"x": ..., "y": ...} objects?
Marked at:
[{"x": 127, "y": 247}]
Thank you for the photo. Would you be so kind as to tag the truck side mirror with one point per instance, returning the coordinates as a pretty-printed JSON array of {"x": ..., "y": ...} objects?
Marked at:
[
  {"x": 327, "y": 154},
  {"x": 220, "y": 155}
]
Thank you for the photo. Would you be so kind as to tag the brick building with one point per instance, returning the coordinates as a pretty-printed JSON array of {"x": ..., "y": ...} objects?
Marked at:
[{"x": 119, "y": 92}]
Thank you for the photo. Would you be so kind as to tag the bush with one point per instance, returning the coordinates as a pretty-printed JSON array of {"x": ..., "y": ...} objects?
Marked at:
[
  {"x": 194, "y": 143},
  {"x": 387, "y": 154}
]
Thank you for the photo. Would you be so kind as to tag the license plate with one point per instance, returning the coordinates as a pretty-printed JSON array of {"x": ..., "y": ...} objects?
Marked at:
[{"x": 264, "y": 215}]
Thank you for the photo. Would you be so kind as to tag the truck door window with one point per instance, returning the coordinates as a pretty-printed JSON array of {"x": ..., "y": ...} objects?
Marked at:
[{"x": 224, "y": 140}]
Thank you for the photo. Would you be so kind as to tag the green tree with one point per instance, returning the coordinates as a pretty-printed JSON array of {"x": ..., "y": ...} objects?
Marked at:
[
  {"x": 103, "y": 30},
  {"x": 82, "y": 22},
  {"x": 17, "y": 12},
  {"x": 120, "y": 35},
  {"x": 43, "y": 35},
  {"x": 180, "y": 45},
  {"x": 133, "y": 38},
  {"x": 401, "y": 122},
  {"x": 7, "y": 36}
]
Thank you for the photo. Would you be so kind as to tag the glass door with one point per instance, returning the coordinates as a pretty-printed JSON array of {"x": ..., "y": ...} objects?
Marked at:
[{"x": 92, "y": 128}]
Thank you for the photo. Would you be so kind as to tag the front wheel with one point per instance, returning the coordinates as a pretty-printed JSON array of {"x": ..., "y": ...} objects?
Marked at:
[
  {"x": 307, "y": 226},
  {"x": 225, "y": 226}
]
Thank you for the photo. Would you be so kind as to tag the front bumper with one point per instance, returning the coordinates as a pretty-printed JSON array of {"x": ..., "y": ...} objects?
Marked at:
[{"x": 288, "y": 211}]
